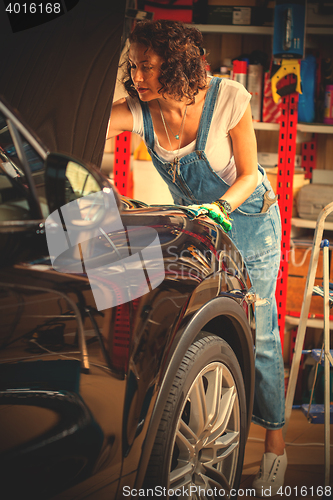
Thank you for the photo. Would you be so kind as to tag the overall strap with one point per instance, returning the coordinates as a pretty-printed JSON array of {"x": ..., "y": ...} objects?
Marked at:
[
  {"x": 207, "y": 113},
  {"x": 147, "y": 125},
  {"x": 205, "y": 120}
]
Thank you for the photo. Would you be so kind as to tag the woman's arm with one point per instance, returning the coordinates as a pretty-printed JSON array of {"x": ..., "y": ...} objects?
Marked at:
[
  {"x": 244, "y": 146},
  {"x": 121, "y": 119}
]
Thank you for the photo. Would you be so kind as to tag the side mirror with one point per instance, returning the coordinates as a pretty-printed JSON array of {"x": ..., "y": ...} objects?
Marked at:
[
  {"x": 81, "y": 204},
  {"x": 67, "y": 180}
]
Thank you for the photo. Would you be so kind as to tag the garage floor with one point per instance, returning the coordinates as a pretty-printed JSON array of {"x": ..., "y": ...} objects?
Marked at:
[{"x": 306, "y": 465}]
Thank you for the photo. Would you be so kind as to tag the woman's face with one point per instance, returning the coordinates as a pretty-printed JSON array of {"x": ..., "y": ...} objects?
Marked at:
[{"x": 145, "y": 71}]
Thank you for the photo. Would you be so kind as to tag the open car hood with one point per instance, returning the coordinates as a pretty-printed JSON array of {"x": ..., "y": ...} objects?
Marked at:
[{"x": 60, "y": 75}]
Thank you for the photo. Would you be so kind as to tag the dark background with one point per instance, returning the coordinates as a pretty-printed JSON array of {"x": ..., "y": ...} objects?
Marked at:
[{"x": 60, "y": 75}]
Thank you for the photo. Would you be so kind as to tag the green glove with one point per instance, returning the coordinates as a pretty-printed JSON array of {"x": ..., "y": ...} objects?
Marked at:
[{"x": 213, "y": 212}]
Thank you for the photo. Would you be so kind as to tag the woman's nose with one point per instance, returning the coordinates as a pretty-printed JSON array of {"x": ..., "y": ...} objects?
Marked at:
[{"x": 137, "y": 75}]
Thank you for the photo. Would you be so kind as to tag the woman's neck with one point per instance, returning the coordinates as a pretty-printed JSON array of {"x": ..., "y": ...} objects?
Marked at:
[{"x": 169, "y": 105}]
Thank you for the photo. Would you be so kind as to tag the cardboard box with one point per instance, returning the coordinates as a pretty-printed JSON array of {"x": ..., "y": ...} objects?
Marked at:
[
  {"x": 298, "y": 182},
  {"x": 295, "y": 294},
  {"x": 316, "y": 16},
  {"x": 181, "y": 10},
  {"x": 298, "y": 269},
  {"x": 312, "y": 199},
  {"x": 222, "y": 14},
  {"x": 299, "y": 260}
]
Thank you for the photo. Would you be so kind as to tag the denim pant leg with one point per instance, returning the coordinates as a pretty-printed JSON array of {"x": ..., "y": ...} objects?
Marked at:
[
  {"x": 258, "y": 237},
  {"x": 269, "y": 404}
]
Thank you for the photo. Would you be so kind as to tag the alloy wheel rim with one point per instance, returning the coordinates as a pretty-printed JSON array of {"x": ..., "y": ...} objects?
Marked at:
[{"x": 206, "y": 442}]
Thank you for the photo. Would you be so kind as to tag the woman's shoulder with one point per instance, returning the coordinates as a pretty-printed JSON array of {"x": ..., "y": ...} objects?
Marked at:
[
  {"x": 232, "y": 100},
  {"x": 132, "y": 102},
  {"x": 232, "y": 87}
]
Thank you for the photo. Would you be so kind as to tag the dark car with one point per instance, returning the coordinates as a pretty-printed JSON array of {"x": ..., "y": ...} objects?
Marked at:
[{"x": 152, "y": 391}]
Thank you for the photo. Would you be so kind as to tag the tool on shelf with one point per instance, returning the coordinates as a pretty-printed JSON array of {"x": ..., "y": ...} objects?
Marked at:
[{"x": 288, "y": 66}]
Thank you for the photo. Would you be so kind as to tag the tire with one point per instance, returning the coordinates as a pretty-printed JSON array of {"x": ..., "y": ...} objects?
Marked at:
[{"x": 201, "y": 437}]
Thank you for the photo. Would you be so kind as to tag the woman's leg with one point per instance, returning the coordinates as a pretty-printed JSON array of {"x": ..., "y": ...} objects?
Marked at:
[
  {"x": 269, "y": 402},
  {"x": 274, "y": 442},
  {"x": 259, "y": 239},
  {"x": 269, "y": 385}
]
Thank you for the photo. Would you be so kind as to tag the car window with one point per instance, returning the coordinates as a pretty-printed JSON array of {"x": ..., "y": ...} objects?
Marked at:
[
  {"x": 14, "y": 204},
  {"x": 16, "y": 199},
  {"x": 35, "y": 161}
]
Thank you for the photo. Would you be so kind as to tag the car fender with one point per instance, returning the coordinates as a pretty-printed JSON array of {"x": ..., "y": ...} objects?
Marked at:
[{"x": 219, "y": 306}]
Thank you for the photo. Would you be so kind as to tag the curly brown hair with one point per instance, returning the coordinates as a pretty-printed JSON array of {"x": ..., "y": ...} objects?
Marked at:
[{"x": 183, "y": 71}]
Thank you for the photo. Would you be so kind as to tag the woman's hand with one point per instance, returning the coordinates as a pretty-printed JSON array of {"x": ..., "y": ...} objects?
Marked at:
[{"x": 213, "y": 212}]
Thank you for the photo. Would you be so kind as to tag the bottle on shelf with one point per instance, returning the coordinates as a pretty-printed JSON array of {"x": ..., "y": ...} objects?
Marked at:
[
  {"x": 239, "y": 71},
  {"x": 225, "y": 69},
  {"x": 328, "y": 111},
  {"x": 254, "y": 86}
]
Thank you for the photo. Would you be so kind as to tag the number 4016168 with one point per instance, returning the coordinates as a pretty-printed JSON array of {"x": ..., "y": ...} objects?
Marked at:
[
  {"x": 304, "y": 491},
  {"x": 34, "y": 8}
]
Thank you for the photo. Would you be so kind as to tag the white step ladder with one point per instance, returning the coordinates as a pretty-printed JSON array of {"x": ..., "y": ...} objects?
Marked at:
[{"x": 316, "y": 247}]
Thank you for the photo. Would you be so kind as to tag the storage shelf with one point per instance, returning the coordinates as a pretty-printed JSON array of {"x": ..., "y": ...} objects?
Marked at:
[
  {"x": 319, "y": 30},
  {"x": 311, "y": 322},
  {"x": 310, "y": 224},
  {"x": 257, "y": 30},
  {"x": 314, "y": 128},
  {"x": 266, "y": 126},
  {"x": 240, "y": 29}
]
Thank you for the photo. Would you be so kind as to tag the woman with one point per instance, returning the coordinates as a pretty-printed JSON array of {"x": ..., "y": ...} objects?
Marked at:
[{"x": 199, "y": 133}]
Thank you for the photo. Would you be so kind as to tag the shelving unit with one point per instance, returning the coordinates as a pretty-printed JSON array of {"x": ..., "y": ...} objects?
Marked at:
[{"x": 246, "y": 38}]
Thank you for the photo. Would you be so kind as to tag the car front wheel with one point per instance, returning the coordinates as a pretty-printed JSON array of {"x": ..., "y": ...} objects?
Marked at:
[{"x": 199, "y": 447}]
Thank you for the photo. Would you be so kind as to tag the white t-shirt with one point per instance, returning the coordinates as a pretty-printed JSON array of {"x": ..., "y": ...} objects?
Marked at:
[{"x": 231, "y": 103}]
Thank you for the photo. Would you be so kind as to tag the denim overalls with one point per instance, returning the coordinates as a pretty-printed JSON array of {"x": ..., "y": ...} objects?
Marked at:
[{"x": 257, "y": 236}]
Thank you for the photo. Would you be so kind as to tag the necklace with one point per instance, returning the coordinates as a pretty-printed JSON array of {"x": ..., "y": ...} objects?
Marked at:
[
  {"x": 165, "y": 123},
  {"x": 178, "y": 137}
]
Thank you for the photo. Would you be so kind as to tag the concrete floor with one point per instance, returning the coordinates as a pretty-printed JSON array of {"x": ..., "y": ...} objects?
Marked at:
[{"x": 306, "y": 462}]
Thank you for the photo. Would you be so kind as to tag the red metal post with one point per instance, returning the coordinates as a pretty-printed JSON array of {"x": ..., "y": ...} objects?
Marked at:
[
  {"x": 286, "y": 167},
  {"x": 122, "y": 160},
  {"x": 309, "y": 156}
]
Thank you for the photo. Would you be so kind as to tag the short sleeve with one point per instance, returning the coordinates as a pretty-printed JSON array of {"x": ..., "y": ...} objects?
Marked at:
[
  {"x": 232, "y": 103},
  {"x": 135, "y": 108}
]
